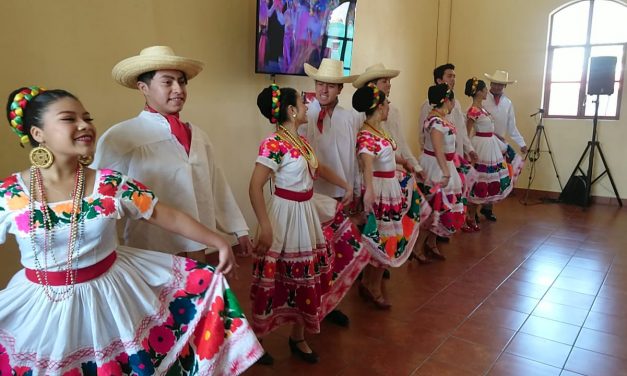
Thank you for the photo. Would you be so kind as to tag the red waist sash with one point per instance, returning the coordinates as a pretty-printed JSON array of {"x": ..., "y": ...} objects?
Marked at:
[
  {"x": 449, "y": 156},
  {"x": 292, "y": 195},
  {"x": 384, "y": 174},
  {"x": 81, "y": 275},
  {"x": 484, "y": 134}
]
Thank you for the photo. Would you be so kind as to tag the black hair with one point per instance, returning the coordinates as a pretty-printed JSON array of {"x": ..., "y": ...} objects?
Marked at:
[
  {"x": 146, "y": 77},
  {"x": 469, "y": 90},
  {"x": 438, "y": 73},
  {"x": 439, "y": 92},
  {"x": 35, "y": 109},
  {"x": 288, "y": 97},
  {"x": 363, "y": 99}
]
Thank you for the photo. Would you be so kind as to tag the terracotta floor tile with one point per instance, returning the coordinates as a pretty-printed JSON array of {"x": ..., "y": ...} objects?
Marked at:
[
  {"x": 539, "y": 349},
  {"x": 610, "y": 306},
  {"x": 515, "y": 302},
  {"x": 537, "y": 277},
  {"x": 560, "y": 312},
  {"x": 512, "y": 365},
  {"x": 591, "y": 363},
  {"x": 602, "y": 342},
  {"x": 435, "y": 320},
  {"x": 550, "y": 329},
  {"x": 569, "y": 298},
  {"x": 531, "y": 290},
  {"x": 502, "y": 317},
  {"x": 467, "y": 355},
  {"x": 612, "y": 324},
  {"x": 580, "y": 285},
  {"x": 485, "y": 334},
  {"x": 436, "y": 368}
]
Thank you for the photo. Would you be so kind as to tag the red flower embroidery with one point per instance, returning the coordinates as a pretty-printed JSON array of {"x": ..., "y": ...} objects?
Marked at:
[
  {"x": 107, "y": 189},
  {"x": 198, "y": 281},
  {"x": 307, "y": 300},
  {"x": 161, "y": 339},
  {"x": 281, "y": 293},
  {"x": 209, "y": 334},
  {"x": 107, "y": 206},
  {"x": 494, "y": 188},
  {"x": 111, "y": 368},
  {"x": 9, "y": 181}
]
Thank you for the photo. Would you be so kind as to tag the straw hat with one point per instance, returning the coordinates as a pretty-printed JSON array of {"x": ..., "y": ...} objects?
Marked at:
[
  {"x": 330, "y": 71},
  {"x": 153, "y": 58},
  {"x": 500, "y": 77},
  {"x": 374, "y": 72}
]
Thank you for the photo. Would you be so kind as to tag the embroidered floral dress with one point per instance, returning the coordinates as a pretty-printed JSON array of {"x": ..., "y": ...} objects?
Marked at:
[
  {"x": 494, "y": 176},
  {"x": 311, "y": 263},
  {"x": 392, "y": 227},
  {"x": 149, "y": 314},
  {"x": 447, "y": 203}
]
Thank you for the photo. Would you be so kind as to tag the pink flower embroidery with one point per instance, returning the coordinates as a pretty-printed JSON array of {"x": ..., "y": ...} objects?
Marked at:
[
  {"x": 111, "y": 368},
  {"x": 198, "y": 281},
  {"x": 161, "y": 339},
  {"x": 23, "y": 221}
]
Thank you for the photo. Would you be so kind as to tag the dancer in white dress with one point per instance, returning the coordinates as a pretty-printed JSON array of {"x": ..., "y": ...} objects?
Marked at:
[
  {"x": 303, "y": 267},
  {"x": 83, "y": 304}
]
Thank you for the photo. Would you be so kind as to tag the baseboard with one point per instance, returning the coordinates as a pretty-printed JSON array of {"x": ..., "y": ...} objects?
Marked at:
[{"x": 539, "y": 194}]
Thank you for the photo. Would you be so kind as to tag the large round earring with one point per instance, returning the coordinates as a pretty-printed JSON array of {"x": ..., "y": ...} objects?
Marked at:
[
  {"x": 85, "y": 160},
  {"x": 41, "y": 157}
]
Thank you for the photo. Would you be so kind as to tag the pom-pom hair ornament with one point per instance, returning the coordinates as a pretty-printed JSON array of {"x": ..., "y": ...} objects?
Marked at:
[
  {"x": 276, "y": 104},
  {"x": 16, "y": 111},
  {"x": 376, "y": 95}
]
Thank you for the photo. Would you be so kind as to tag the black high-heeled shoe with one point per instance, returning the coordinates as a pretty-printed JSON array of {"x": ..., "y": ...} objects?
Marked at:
[{"x": 311, "y": 357}]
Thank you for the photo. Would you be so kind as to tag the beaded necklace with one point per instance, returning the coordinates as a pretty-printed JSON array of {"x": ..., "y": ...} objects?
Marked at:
[
  {"x": 305, "y": 150},
  {"x": 36, "y": 184},
  {"x": 382, "y": 134}
]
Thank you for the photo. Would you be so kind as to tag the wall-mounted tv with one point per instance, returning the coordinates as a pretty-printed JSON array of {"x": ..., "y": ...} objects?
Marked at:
[{"x": 293, "y": 32}]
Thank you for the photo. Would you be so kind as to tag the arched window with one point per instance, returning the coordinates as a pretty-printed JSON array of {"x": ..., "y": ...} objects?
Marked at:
[{"x": 578, "y": 31}]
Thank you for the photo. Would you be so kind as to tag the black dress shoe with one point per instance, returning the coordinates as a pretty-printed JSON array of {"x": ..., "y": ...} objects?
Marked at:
[
  {"x": 338, "y": 318},
  {"x": 488, "y": 215},
  {"x": 386, "y": 274},
  {"x": 265, "y": 360},
  {"x": 311, "y": 357},
  {"x": 442, "y": 239}
]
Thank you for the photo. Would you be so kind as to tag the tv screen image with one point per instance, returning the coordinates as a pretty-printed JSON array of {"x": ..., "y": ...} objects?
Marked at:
[{"x": 293, "y": 32}]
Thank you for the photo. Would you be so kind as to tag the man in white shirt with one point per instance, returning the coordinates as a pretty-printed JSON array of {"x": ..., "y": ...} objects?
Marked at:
[
  {"x": 381, "y": 77},
  {"x": 502, "y": 111},
  {"x": 175, "y": 159},
  {"x": 446, "y": 74},
  {"x": 332, "y": 132}
]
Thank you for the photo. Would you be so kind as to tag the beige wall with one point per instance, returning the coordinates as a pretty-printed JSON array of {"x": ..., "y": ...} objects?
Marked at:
[
  {"x": 512, "y": 35},
  {"x": 73, "y": 44}
]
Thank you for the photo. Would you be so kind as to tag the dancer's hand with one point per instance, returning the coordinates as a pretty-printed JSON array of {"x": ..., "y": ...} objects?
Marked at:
[
  {"x": 264, "y": 241},
  {"x": 227, "y": 264},
  {"x": 421, "y": 175},
  {"x": 348, "y": 196},
  {"x": 473, "y": 156},
  {"x": 524, "y": 149},
  {"x": 245, "y": 246},
  {"x": 444, "y": 181}
]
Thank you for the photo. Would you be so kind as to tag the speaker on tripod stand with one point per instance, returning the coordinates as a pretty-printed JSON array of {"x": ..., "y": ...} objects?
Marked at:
[{"x": 579, "y": 186}]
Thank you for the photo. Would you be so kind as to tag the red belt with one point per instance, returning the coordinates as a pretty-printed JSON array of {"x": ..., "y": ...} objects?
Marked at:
[
  {"x": 449, "y": 156},
  {"x": 484, "y": 134},
  {"x": 292, "y": 195},
  {"x": 384, "y": 174},
  {"x": 81, "y": 275}
]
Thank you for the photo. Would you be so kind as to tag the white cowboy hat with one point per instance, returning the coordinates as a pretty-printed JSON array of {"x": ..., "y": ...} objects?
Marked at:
[
  {"x": 374, "y": 72},
  {"x": 500, "y": 77},
  {"x": 330, "y": 71},
  {"x": 153, "y": 58}
]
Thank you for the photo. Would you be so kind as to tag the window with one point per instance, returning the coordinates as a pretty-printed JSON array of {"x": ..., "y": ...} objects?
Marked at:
[{"x": 577, "y": 32}]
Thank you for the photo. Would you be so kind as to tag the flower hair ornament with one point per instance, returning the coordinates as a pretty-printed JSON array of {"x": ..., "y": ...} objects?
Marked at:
[
  {"x": 375, "y": 95},
  {"x": 16, "y": 111},
  {"x": 276, "y": 103},
  {"x": 447, "y": 95},
  {"x": 473, "y": 88}
]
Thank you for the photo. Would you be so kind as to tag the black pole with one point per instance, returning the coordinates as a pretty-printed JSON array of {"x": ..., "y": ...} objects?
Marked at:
[{"x": 593, "y": 145}]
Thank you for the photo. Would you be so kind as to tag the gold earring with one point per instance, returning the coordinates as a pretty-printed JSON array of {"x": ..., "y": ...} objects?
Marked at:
[
  {"x": 41, "y": 157},
  {"x": 85, "y": 160}
]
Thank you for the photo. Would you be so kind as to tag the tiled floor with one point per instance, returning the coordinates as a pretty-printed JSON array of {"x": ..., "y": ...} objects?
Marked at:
[{"x": 543, "y": 291}]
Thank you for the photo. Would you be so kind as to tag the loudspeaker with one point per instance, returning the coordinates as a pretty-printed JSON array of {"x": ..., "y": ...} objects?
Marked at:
[
  {"x": 601, "y": 78},
  {"x": 575, "y": 191}
]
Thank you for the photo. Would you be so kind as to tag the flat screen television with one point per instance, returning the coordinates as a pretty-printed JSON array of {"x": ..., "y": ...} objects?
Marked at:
[{"x": 293, "y": 32}]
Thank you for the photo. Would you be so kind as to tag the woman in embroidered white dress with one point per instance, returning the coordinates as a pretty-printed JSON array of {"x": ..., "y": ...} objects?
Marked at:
[
  {"x": 85, "y": 305},
  {"x": 494, "y": 176},
  {"x": 443, "y": 186},
  {"x": 303, "y": 267},
  {"x": 392, "y": 202}
]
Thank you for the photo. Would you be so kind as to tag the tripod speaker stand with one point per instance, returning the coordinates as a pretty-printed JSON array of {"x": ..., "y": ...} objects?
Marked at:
[
  {"x": 533, "y": 154},
  {"x": 592, "y": 147},
  {"x": 600, "y": 82}
]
